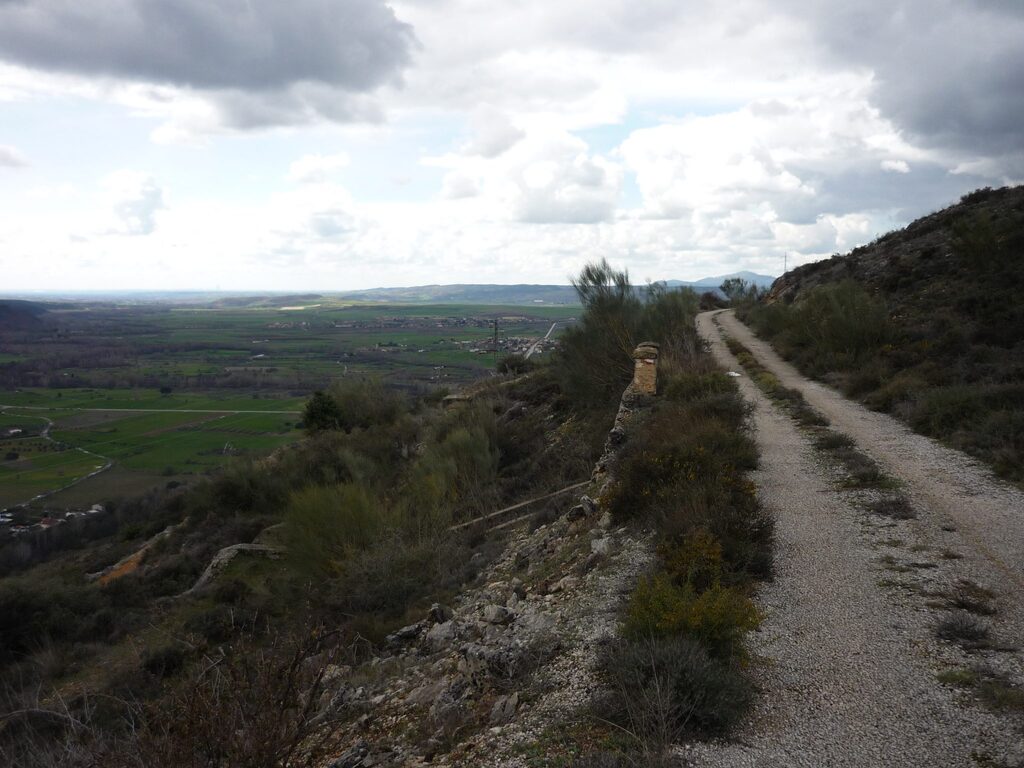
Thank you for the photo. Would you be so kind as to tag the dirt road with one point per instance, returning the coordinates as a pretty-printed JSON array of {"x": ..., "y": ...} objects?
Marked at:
[
  {"x": 846, "y": 665},
  {"x": 958, "y": 490}
]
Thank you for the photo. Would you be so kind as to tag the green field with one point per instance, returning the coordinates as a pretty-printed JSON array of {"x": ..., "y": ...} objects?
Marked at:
[
  {"x": 144, "y": 432},
  {"x": 40, "y": 466},
  {"x": 168, "y": 392},
  {"x": 262, "y": 348},
  {"x": 141, "y": 399}
]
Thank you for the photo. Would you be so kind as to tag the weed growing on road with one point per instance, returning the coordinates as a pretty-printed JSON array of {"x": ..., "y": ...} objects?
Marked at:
[
  {"x": 998, "y": 693},
  {"x": 963, "y": 629},
  {"x": 957, "y": 677},
  {"x": 861, "y": 470},
  {"x": 897, "y": 506},
  {"x": 993, "y": 689},
  {"x": 973, "y": 598}
]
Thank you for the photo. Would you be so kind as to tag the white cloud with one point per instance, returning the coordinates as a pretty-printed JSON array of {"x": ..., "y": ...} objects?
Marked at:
[
  {"x": 677, "y": 139},
  {"x": 896, "y": 166},
  {"x": 255, "y": 64},
  {"x": 568, "y": 185},
  {"x": 457, "y": 185},
  {"x": 11, "y": 158},
  {"x": 135, "y": 198},
  {"x": 493, "y": 132},
  {"x": 310, "y": 169},
  {"x": 547, "y": 176}
]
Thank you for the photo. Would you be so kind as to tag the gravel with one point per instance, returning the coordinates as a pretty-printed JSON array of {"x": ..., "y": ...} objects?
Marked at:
[
  {"x": 955, "y": 489},
  {"x": 846, "y": 667}
]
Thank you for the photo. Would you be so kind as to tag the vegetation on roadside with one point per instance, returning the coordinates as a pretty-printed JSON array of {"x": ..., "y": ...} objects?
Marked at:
[
  {"x": 136, "y": 665},
  {"x": 925, "y": 323},
  {"x": 596, "y": 357},
  {"x": 677, "y": 669},
  {"x": 361, "y": 509}
]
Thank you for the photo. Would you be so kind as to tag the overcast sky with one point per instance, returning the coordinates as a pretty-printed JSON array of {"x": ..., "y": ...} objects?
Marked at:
[{"x": 343, "y": 144}]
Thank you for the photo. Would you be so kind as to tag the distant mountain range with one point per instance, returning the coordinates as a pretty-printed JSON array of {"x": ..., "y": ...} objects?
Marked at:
[
  {"x": 712, "y": 283},
  {"x": 518, "y": 294},
  {"x": 14, "y": 312}
]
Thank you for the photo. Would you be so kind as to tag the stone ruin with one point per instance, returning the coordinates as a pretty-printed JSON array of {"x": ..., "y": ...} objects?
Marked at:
[{"x": 645, "y": 373}]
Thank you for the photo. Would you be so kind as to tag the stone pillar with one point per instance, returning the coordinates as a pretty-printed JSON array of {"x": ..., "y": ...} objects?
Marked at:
[{"x": 645, "y": 374}]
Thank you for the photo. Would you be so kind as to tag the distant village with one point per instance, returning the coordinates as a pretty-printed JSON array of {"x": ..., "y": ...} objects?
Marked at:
[{"x": 12, "y": 528}]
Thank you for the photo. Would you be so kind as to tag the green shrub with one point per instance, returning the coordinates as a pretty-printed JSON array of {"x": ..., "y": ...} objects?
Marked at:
[
  {"x": 696, "y": 561},
  {"x": 397, "y": 571},
  {"x": 321, "y": 412},
  {"x": 596, "y": 354},
  {"x": 33, "y": 611},
  {"x": 684, "y": 388},
  {"x": 977, "y": 242},
  {"x": 964, "y": 629},
  {"x": 325, "y": 525},
  {"x": 681, "y": 453},
  {"x": 454, "y": 476},
  {"x": 832, "y": 327},
  {"x": 718, "y": 618},
  {"x": 683, "y": 472},
  {"x": 242, "y": 487},
  {"x": 352, "y": 403}
]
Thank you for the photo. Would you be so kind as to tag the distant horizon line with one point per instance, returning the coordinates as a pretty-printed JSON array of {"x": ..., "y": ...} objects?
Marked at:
[{"x": 13, "y": 294}]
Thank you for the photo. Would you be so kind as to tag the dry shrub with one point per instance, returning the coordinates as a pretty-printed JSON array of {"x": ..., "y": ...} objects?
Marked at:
[{"x": 664, "y": 688}]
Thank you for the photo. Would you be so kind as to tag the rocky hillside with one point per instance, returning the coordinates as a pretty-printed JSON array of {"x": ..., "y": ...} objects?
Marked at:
[
  {"x": 958, "y": 268},
  {"x": 926, "y": 323}
]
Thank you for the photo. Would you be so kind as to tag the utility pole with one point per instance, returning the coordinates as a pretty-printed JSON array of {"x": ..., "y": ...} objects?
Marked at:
[
  {"x": 785, "y": 262},
  {"x": 495, "y": 341}
]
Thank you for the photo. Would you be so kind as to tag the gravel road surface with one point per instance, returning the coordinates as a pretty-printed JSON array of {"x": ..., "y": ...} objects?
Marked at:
[{"x": 847, "y": 668}]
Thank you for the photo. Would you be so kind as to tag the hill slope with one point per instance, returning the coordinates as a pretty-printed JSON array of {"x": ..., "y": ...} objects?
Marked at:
[
  {"x": 17, "y": 315},
  {"x": 926, "y": 322}
]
